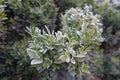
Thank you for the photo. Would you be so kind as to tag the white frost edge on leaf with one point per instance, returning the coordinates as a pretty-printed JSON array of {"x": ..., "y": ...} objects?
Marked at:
[{"x": 36, "y": 61}]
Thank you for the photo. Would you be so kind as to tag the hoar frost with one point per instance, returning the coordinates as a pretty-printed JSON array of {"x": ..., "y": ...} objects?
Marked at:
[{"x": 81, "y": 33}]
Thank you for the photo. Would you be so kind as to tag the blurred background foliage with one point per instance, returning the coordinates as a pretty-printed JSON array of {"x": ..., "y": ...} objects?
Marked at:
[{"x": 15, "y": 15}]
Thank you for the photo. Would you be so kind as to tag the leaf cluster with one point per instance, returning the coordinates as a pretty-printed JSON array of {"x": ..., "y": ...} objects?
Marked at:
[{"x": 80, "y": 34}]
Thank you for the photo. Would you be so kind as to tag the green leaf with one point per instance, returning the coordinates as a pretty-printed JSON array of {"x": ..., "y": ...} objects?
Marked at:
[
  {"x": 85, "y": 68},
  {"x": 64, "y": 58},
  {"x": 79, "y": 59},
  {"x": 116, "y": 60},
  {"x": 1, "y": 1},
  {"x": 71, "y": 68},
  {"x": 55, "y": 67},
  {"x": 32, "y": 53},
  {"x": 47, "y": 63}
]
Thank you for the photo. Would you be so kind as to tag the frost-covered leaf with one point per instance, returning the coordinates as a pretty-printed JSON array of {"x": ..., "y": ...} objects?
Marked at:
[
  {"x": 80, "y": 55},
  {"x": 59, "y": 35},
  {"x": 73, "y": 53},
  {"x": 64, "y": 58},
  {"x": 32, "y": 53},
  {"x": 36, "y": 61},
  {"x": 73, "y": 61}
]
